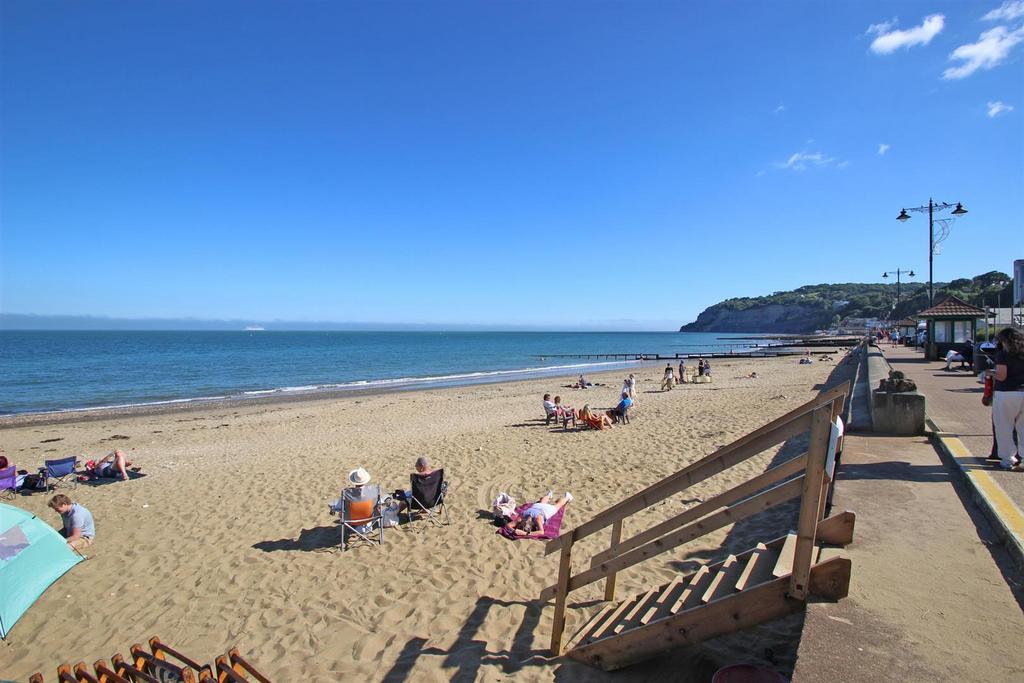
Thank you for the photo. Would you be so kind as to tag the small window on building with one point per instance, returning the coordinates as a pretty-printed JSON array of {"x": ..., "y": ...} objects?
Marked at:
[
  {"x": 943, "y": 330},
  {"x": 961, "y": 330}
]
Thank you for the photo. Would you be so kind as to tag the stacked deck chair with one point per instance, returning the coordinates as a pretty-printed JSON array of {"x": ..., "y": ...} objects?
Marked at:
[
  {"x": 161, "y": 664},
  {"x": 60, "y": 473},
  {"x": 428, "y": 492}
]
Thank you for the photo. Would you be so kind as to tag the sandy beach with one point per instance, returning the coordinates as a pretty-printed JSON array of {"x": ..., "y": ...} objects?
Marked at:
[{"x": 227, "y": 539}]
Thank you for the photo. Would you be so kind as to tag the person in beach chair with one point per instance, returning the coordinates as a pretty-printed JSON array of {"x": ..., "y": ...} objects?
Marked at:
[
  {"x": 620, "y": 412},
  {"x": 360, "y": 509},
  {"x": 59, "y": 473},
  {"x": 426, "y": 493},
  {"x": 565, "y": 412},
  {"x": 9, "y": 482},
  {"x": 594, "y": 420},
  {"x": 533, "y": 519}
]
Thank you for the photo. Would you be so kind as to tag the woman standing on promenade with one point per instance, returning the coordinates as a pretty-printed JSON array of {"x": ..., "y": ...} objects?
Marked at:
[{"x": 1008, "y": 397}]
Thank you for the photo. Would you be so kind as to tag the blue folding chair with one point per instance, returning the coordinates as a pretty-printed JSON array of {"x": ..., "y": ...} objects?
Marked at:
[{"x": 60, "y": 473}]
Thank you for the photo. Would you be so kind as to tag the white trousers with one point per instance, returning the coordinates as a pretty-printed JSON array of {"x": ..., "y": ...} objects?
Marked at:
[{"x": 1008, "y": 414}]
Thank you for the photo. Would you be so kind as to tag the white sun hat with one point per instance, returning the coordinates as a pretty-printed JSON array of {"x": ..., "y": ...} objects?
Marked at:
[{"x": 359, "y": 477}]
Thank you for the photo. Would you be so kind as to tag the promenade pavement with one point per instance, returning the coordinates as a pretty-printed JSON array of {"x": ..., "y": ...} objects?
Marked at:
[
  {"x": 964, "y": 426},
  {"x": 933, "y": 595},
  {"x": 954, "y": 404}
]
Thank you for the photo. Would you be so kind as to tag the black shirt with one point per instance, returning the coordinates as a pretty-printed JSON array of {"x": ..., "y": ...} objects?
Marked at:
[{"x": 1014, "y": 372}]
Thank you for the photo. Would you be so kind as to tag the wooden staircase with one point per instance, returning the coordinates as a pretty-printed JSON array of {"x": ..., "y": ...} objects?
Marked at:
[{"x": 769, "y": 581}]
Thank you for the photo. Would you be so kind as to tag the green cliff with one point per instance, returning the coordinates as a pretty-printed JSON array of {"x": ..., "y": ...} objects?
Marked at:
[{"x": 816, "y": 307}]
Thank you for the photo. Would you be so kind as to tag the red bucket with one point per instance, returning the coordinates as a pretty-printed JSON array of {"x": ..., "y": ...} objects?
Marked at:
[{"x": 747, "y": 673}]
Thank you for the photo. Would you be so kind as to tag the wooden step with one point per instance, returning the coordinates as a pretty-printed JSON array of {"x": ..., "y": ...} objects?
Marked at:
[
  {"x": 755, "y": 605},
  {"x": 691, "y": 595},
  {"x": 641, "y": 607},
  {"x": 758, "y": 569},
  {"x": 585, "y": 634},
  {"x": 666, "y": 598},
  {"x": 608, "y": 624},
  {"x": 724, "y": 581},
  {"x": 784, "y": 565}
]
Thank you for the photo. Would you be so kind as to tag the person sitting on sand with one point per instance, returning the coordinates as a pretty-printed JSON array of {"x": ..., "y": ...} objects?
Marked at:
[
  {"x": 536, "y": 516},
  {"x": 595, "y": 420},
  {"x": 112, "y": 466},
  {"x": 79, "y": 528},
  {"x": 619, "y": 411},
  {"x": 582, "y": 383}
]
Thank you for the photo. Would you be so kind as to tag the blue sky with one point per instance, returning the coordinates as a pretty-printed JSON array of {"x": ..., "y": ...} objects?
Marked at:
[{"x": 600, "y": 164}]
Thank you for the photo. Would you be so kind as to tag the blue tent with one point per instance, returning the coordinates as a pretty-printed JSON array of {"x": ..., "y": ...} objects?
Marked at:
[{"x": 32, "y": 556}]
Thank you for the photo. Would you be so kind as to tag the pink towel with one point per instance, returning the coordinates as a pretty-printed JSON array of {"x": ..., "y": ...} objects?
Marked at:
[{"x": 552, "y": 527}]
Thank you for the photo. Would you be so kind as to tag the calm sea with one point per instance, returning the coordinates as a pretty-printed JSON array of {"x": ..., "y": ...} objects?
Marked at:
[{"x": 53, "y": 371}]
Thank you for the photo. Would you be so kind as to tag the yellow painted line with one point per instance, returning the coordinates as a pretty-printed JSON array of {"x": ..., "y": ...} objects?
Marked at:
[{"x": 1001, "y": 504}]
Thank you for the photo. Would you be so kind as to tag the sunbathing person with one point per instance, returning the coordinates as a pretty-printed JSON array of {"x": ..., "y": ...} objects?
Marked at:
[
  {"x": 112, "y": 466},
  {"x": 536, "y": 516},
  {"x": 595, "y": 420}
]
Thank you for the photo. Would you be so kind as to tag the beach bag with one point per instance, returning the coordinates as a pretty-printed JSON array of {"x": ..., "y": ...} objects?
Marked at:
[
  {"x": 504, "y": 505},
  {"x": 986, "y": 395},
  {"x": 389, "y": 516}
]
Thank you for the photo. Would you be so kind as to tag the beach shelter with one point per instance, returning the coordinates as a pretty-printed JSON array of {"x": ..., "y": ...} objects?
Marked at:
[
  {"x": 32, "y": 556},
  {"x": 951, "y": 323}
]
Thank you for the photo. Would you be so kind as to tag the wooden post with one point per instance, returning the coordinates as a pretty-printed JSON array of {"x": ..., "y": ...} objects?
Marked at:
[
  {"x": 609, "y": 584},
  {"x": 562, "y": 592},
  {"x": 817, "y": 452}
]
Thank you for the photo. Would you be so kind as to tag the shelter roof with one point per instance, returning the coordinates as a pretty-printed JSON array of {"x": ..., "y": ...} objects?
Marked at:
[
  {"x": 952, "y": 308},
  {"x": 907, "y": 322}
]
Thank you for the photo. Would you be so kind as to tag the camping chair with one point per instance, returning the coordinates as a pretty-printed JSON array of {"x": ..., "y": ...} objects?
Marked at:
[
  {"x": 361, "y": 514},
  {"x": 428, "y": 492},
  {"x": 8, "y": 481},
  {"x": 62, "y": 471}
]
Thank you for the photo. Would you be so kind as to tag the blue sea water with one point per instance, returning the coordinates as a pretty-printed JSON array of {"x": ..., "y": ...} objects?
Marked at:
[{"x": 43, "y": 371}]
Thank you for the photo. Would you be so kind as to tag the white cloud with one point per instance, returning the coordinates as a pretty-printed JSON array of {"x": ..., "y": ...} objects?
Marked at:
[
  {"x": 883, "y": 27},
  {"x": 992, "y": 48},
  {"x": 997, "y": 108},
  {"x": 888, "y": 41},
  {"x": 779, "y": 109},
  {"x": 882, "y": 149},
  {"x": 800, "y": 161},
  {"x": 1008, "y": 11}
]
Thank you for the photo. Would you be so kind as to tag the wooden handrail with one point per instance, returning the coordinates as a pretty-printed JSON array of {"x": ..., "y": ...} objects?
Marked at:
[
  {"x": 730, "y": 515},
  {"x": 792, "y": 423},
  {"x": 763, "y": 480},
  {"x": 810, "y": 501}
]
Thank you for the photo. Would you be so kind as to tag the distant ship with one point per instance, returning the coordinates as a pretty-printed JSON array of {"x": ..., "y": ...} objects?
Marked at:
[{"x": 254, "y": 328}]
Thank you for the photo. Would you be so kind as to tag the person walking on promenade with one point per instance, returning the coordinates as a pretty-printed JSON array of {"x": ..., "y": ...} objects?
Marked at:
[{"x": 1008, "y": 397}]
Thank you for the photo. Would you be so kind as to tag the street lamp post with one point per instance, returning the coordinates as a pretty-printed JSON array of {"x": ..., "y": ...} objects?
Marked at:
[
  {"x": 931, "y": 209},
  {"x": 897, "y": 272}
]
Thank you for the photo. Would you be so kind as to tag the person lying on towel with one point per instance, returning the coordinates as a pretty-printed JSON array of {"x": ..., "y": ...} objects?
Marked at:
[{"x": 533, "y": 518}]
